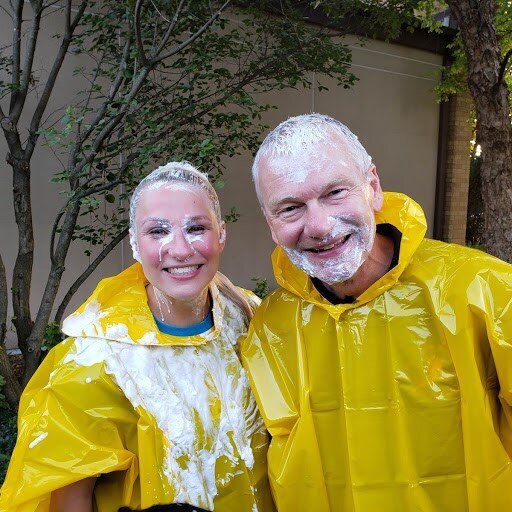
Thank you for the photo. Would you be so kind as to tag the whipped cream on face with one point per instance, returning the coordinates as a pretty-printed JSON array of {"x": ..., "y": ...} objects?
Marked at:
[{"x": 360, "y": 241}]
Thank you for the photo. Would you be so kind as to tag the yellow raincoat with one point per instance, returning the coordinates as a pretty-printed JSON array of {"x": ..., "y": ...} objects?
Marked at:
[
  {"x": 158, "y": 418},
  {"x": 399, "y": 402}
]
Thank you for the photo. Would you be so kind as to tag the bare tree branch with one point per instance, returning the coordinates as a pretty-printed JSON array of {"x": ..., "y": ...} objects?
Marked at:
[
  {"x": 87, "y": 272},
  {"x": 138, "y": 35},
  {"x": 55, "y": 228},
  {"x": 16, "y": 52},
  {"x": 50, "y": 83},
  {"x": 26, "y": 72}
]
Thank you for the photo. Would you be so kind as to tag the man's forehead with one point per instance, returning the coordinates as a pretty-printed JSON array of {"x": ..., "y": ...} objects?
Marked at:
[{"x": 330, "y": 155}]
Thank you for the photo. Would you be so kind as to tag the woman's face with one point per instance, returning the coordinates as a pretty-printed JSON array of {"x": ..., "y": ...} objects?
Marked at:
[{"x": 179, "y": 239}]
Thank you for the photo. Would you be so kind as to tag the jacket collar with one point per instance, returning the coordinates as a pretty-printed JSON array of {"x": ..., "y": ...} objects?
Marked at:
[
  {"x": 118, "y": 310},
  {"x": 399, "y": 210}
]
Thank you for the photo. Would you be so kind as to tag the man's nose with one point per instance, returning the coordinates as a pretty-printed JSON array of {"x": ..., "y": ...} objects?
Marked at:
[{"x": 318, "y": 223}]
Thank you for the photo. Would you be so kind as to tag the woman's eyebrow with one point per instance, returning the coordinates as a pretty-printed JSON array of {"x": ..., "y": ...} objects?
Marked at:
[
  {"x": 156, "y": 220},
  {"x": 196, "y": 218}
]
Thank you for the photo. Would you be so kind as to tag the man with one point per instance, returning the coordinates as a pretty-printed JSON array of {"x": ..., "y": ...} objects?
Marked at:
[{"x": 383, "y": 363}]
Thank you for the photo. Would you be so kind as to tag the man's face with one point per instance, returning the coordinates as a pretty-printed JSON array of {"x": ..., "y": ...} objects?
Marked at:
[{"x": 320, "y": 208}]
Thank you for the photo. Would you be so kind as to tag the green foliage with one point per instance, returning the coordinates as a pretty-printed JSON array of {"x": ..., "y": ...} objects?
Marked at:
[
  {"x": 52, "y": 337},
  {"x": 232, "y": 215},
  {"x": 261, "y": 288},
  {"x": 8, "y": 433}
]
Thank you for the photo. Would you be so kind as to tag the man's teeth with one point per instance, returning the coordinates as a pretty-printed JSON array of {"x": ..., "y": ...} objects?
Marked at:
[
  {"x": 329, "y": 247},
  {"x": 182, "y": 270}
]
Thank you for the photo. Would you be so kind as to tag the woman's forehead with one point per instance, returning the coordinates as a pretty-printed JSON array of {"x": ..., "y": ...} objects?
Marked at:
[{"x": 174, "y": 196}]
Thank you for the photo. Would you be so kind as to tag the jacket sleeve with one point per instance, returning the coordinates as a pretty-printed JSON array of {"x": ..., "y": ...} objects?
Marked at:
[{"x": 73, "y": 423}]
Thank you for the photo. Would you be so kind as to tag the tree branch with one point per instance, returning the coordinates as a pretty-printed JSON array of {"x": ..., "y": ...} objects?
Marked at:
[
  {"x": 170, "y": 28},
  {"x": 50, "y": 83},
  {"x": 16, "y": 53},
  {"x": 503, "y": 66},
  {"x": 26, "y": 72},
  {"x": 138, "y": 35},
  {"x": 192, "y": 38},
  {"x": 87, "y": 272},
  {"x": 111, "y": 95},
  {"x": 34, "y": 341}
]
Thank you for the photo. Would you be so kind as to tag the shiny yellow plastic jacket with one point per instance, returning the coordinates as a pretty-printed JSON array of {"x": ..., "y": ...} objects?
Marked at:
[
  {"x": 400, "y": 401},
  {"x": 159, "y": 418}
]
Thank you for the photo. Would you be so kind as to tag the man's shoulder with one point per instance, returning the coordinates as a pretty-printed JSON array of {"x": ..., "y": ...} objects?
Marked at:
[
  {"x": 454, "y": 254},
  {"x": 456, "y": 261}
]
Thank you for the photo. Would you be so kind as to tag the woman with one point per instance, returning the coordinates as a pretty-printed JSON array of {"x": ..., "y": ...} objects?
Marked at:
[{"x": 146, "y": 402}]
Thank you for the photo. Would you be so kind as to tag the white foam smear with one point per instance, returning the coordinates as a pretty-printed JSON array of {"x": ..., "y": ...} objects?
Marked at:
[
  {"x": 87, "y": 323},
  {"x": 340, "y": 269},
  {"x": 162, "y": 300},
  {"x": 169, "y": 238},
  {"x": 199, "y": 398},
  {"x": 38, "y": 439},
  {"x": 301, "y": 166}
]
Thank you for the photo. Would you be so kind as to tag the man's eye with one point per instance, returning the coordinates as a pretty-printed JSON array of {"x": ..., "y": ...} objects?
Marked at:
[
  {"x": 339, "y": 192},
  {"x": 288, "y": 210}
]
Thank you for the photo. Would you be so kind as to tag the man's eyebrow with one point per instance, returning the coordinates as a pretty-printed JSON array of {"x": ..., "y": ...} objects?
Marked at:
[{"x": 292, "y": 199}]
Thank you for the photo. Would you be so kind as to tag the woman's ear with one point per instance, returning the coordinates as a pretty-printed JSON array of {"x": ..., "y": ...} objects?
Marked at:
[{"x": 222, "y": 235}]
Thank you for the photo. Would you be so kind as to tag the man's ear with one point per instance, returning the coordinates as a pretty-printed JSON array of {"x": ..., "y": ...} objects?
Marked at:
[{"x": 378, "y": 196}]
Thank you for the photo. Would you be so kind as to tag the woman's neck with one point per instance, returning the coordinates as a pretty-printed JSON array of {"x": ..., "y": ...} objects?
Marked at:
[{"x": 178, "y": 312}]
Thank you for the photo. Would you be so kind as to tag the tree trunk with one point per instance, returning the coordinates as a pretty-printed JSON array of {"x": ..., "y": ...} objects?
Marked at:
[
  {"x": 35, "y": 339},
  {"x": 22, "y": 273},
  {"x": 12, "y": 388},
  {"x": 494, "y": 128}
]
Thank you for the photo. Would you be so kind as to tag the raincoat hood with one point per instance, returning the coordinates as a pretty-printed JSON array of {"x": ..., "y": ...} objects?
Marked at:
[
  {"x": 398, "y": 210},
  {"x": 118, "y": 310}
]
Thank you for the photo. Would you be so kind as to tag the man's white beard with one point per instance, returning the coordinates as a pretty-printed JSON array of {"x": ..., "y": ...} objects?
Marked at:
[{"x": 341, "y": 268}]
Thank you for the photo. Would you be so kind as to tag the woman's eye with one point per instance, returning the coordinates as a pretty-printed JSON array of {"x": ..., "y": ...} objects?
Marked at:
[
  {"x": 196, "y": 229},
  {"x": 158, "y": 232}
]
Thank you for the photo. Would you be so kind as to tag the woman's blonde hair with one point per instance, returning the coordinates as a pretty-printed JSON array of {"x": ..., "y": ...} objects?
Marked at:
[{"x": 185, "y": 172}]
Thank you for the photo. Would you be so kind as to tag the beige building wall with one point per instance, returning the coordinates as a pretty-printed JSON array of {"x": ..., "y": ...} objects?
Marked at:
[{"x": 392, "y": 108}]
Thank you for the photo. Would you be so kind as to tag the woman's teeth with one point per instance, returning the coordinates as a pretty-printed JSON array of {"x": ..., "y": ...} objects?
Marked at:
[{"x": 182, "y": 270}]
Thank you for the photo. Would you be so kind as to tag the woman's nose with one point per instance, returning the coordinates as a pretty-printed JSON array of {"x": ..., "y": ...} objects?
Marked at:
[
  {"x": 180, "y": 248},
  {"x": 318, "y": 222}
]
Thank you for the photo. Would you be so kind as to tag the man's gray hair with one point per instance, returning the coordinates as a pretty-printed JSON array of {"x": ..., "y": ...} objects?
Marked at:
[{"x": 300, "y": 132}]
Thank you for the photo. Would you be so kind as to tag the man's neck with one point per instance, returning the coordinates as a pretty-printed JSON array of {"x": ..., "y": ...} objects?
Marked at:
[{"x": 373, "y": 268}]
